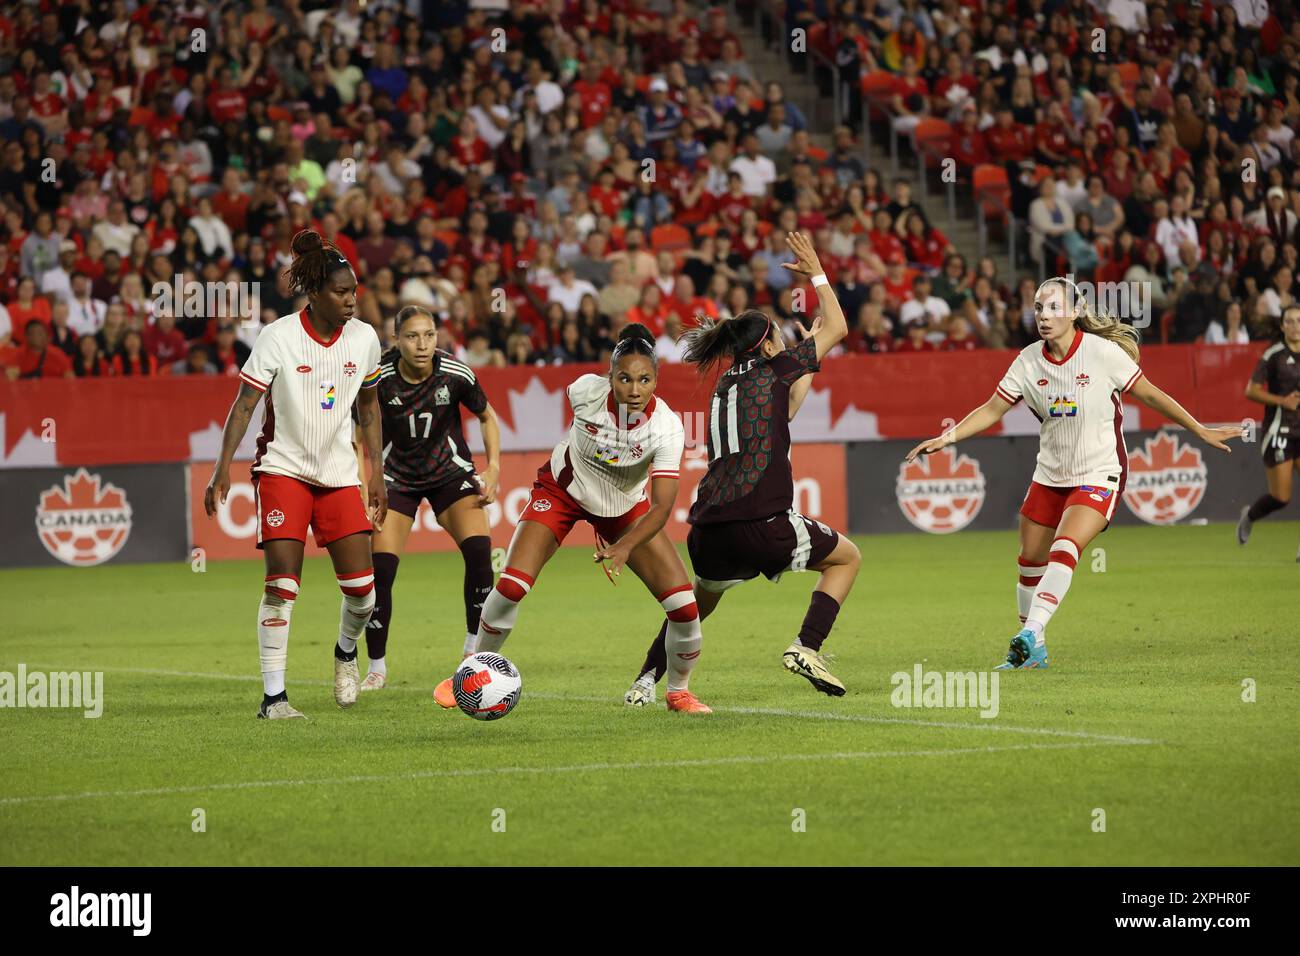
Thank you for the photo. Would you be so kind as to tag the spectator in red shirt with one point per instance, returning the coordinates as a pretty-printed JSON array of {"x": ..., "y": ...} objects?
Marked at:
[
  {"x": 231, "y": 204},
  {"x": 227, "y": 101},
  {"x": 28, "y": 307},
  {"x": 89, "y": 361},
  {"x": 1007, "y": 140},
  {"x": 164, "y": 341},
  {"x": 132, "y": 359},
  {"x": 915, "y": 340},
  {"x": 968, "y": 146},
  {"x": 959, "y": 338},
  {"x": 712, "y": 39},
  {"x": 228, "y": 353},
  {"x": 35, "y": 359}
]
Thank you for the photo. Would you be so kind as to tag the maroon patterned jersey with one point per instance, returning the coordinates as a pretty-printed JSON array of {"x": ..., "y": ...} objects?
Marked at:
[{"x": 749, "y": 439}]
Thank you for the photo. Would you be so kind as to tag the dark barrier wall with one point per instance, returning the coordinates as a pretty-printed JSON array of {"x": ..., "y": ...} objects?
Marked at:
[
  {"x": 81, "y": 517},
  {"x": 981, "y": 483}
]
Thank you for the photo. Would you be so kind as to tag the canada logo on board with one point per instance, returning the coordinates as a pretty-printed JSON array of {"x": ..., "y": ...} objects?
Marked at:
[
  {"x": 942, "y": 492},
  {"x": 1166, "y": 480},
  {"x": 85, "y": 521}
]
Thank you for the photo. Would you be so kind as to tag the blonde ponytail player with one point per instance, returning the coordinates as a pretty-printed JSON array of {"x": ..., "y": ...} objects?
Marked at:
[{"x": 1073, "y": 382}]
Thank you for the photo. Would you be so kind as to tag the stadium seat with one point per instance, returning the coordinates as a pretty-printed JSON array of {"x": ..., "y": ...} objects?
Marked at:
[
  {"x": 1129, "y": 72},
  {"x": 931, "y": 139},
  {"x": 669, "y": 236},
  {"x": 878, "y": 91},
  {"x": 992, "y": 194}
]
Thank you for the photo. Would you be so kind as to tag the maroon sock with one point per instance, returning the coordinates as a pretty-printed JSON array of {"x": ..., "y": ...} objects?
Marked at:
[
  {"x": 656, "y": 659},
  {"x": 819, "y": 620}
]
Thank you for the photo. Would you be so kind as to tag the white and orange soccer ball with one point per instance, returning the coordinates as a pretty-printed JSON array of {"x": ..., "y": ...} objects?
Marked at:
[{"x": 486, "y": 686}]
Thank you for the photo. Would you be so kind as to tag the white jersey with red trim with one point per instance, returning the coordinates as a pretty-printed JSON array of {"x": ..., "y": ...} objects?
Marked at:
[
  {"x": 605, "y": 464},
  {"x": 310, "y": 385},
  {"x": 1078, "y": 400}
]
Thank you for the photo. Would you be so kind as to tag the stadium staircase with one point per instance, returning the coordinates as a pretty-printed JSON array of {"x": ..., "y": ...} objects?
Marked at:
[{"x": 810, "y": 81}]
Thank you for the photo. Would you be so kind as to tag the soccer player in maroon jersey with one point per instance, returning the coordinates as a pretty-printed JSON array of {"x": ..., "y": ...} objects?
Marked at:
[
  {"x": 1276, "y": 385},
  {"x": 426, "y": 458},
  {"x": 312, "y": 366},
  {"x": 623, "y": 442},
  {"x": 743, "y": 522}
]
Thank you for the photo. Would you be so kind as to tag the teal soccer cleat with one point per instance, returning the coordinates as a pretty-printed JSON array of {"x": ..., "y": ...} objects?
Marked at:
[{"x": 1023, "y": 654}]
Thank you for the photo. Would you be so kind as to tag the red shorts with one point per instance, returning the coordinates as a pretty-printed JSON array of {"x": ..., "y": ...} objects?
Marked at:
[
  {"x": 285, "y": 506},
  {"x": 551, "y": 505},
  {"x": 1044, "y": 504}
]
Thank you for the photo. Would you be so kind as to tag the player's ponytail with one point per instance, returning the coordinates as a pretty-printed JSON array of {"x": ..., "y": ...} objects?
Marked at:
[
  {"x": 635, "y": 339},
  {"x": 713, "y": 340},
  {"x": 1095, "y": 322},
  {"x": 314, "y": 258}
]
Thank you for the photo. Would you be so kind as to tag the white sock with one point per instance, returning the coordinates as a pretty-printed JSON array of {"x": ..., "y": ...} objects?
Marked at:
[
  {"x": 683, "y": 639},
  {"x": 1053, "y": 587},
  {"x": 1030, "y": 575},
  {"x": 377, "y": 666},
  {"x": 358, "y": 601},
  {"x": 471, "y": 641},
  {"x": 273, "y": 630},
  {"x": 500, "y": 610}
]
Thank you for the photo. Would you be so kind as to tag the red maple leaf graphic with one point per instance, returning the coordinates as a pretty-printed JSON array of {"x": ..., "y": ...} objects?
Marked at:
[
  {"x": 81, "y": 491},
  {"x": 1161, "y": 452}
]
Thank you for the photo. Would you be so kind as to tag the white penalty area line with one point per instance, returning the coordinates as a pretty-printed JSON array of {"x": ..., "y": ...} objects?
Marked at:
[
  {"x": 985, "y": 725},
  {"x": 543, "y": 771}
]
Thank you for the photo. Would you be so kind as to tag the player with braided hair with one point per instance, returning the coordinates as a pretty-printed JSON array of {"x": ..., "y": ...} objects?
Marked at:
[
  {"x": 623, "y": 441},
  {"x": 311, "y": 366}
]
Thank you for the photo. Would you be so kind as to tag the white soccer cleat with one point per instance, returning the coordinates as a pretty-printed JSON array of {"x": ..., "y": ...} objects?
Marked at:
[
  {"x": 280, "y": 710},
  {"x": 346, "y": 679},
  {"x": 641, "y": 693},
  {"x": 374, "y": 681}
]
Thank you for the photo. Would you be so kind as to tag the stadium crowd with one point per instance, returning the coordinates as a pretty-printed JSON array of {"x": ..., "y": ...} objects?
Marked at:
[{"x": 540, "y": 175}]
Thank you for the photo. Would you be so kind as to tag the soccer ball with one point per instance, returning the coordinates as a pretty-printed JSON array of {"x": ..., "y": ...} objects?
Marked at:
[{"x": 486, "y": 686}]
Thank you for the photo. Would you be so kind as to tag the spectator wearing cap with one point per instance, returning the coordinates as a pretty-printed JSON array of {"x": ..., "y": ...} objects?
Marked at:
[
  {"x": 1273, "y": 218},
  {"x": 35, "y": 358},
  {"x": 56, "y": 283},
  {"x": 914, "y": 338},
  {"x": 661, "y": 116}
]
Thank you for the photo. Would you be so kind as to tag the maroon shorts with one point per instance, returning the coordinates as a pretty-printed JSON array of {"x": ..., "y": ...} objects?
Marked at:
[
  {"x": 551, "y": 505},
  {"x": 1044, "y": 504},
  {"x": 441, "y": 497},
  {"x": 286, "y": 506},
  {"x": 723, "y": 555}
]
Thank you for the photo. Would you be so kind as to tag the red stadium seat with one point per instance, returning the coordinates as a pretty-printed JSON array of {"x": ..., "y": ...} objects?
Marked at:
[
  {"x": 1129, "y": 72},
  {"x": 448, "y": 237},
  {"x": 992, "y": 190},
  {"x": 669, "y": 236},
  {"x": 878, "y": 91},
  {"x": 932, "y": 138}
]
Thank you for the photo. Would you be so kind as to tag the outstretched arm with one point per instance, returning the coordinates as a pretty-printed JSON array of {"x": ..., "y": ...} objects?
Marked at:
[
  {"x": 986, "y": 416},
  {"x": 835, "y": 326},
  {"x": 1152, "y": 397}
]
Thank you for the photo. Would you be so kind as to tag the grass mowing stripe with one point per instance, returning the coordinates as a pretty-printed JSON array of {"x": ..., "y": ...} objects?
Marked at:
[
  {"x": 575, "y": 768},
  {"x": 745, "y": 711}
]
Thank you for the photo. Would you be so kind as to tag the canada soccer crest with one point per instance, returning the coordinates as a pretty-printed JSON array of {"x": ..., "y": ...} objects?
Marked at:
[
  {"x": 85, "y": 522},
  {"x": 942, "y": 492},
  {"x": 1166, "y": 481}
]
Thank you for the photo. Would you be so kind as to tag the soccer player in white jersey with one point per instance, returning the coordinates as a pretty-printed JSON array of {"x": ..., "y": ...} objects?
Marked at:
[
  {"x": 1073, "y": 381},
  {"x": 311, "y": 366},
  {"x": 622, "y": 440}
]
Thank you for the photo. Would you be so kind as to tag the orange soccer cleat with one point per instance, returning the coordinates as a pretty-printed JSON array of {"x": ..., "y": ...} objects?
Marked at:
[
  {"x": 686, "y": 702},
  {"x": 443, "y": 695}
]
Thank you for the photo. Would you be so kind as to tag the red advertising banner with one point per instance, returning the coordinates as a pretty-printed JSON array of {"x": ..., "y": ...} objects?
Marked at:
[
  {"x": 820, "y": 493},
  {"x": 47, "y": 423}
]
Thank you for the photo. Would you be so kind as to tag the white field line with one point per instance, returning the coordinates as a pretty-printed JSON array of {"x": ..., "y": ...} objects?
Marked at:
[
  {"x": 985, "y": 725},
  {"x": 539, "y": 771}
]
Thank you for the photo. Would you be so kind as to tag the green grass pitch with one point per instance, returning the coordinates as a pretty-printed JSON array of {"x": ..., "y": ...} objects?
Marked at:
[{"x": 1141, "y": 716}]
